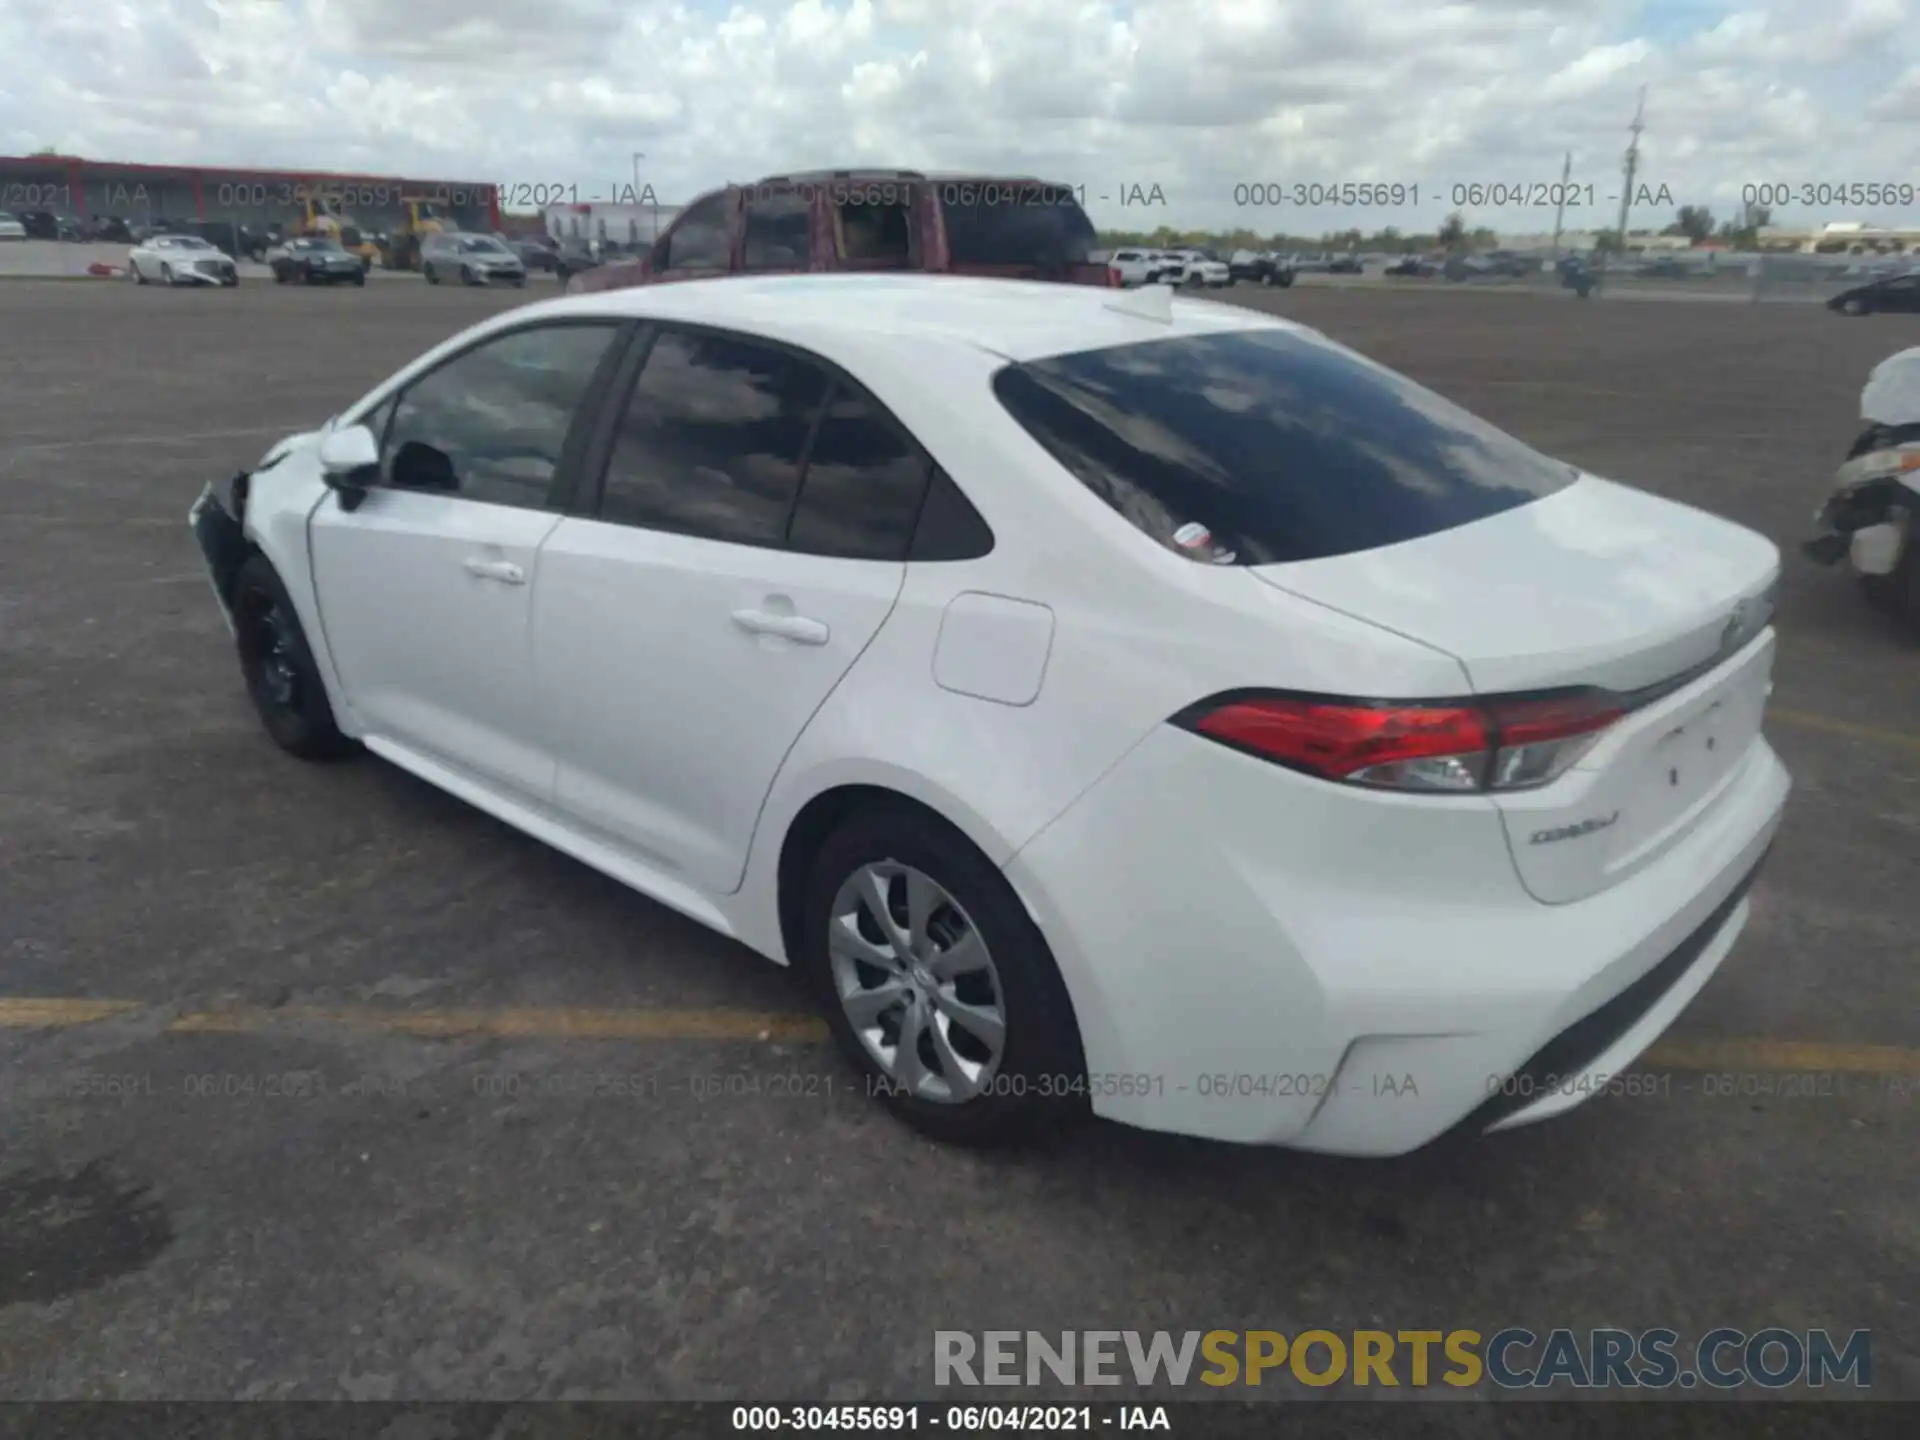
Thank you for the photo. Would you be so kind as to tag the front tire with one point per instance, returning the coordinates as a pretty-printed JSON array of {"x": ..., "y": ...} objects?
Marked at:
[
  {"x": 166, "y": 275},
  {"x": 936, "y": 983},
  {"x": 282, "y": 678},
  {"x": 1854, "y": 307}
]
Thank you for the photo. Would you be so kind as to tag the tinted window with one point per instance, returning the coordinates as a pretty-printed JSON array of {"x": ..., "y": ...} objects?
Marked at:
[
  {"x": 863, "y": 485},
  {"x": 703, "y": 239},
  {"x": 1282, "y": 447},
  {"x": 873, "y": 226},
  {"x": 712, "y": 438},
  {"x": 778, "y": 231},
  {"x": 489, "y": 425},
  {"x": 1009, "y": 224}
]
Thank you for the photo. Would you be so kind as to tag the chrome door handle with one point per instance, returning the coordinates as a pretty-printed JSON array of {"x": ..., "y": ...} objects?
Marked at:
[
  {"x": 789, "y": 627},
  {"x": 505, "y": 571}
]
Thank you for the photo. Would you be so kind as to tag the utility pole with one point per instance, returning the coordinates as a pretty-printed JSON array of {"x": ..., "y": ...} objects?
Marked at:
[
  {"x": 1560, "y": 210},
  {"x": 1633, "y": 166}
]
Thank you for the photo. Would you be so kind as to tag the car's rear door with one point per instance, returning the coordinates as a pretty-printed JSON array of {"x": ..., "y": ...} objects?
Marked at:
[
  {"x": 426, "y": 587},
  {"x": 748, "y": 541}
]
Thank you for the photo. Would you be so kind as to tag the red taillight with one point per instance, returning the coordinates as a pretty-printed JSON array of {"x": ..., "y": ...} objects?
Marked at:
[{"x": 1500, "y": 744}]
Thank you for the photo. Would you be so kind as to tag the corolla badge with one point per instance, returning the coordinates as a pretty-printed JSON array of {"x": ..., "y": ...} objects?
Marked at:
[{"x": 1574, "y": 832}]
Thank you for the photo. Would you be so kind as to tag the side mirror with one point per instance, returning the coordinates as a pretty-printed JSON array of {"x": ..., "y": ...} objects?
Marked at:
[{"x": 349, "y": 463}]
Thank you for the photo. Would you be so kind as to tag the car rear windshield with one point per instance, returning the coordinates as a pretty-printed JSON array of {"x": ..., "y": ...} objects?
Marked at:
[
  {"x": 1258, "y": 447},
  {"x": 1013, "y": 222}
]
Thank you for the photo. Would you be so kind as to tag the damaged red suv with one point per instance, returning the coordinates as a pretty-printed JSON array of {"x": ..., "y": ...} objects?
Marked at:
[{"x": 1020, "y": 228}]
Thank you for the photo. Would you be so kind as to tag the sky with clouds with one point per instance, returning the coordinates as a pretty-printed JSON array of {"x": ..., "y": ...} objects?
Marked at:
[{"x": 1196, "y": 97}]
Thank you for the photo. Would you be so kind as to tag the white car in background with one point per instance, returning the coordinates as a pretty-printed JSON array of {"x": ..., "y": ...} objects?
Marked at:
[
  {"x": 181, "y": 260},
  {"x": 1105, "y": 700},
  {"x": 11, "y": 228},
  {"x": 1136, "y": 266},
  {"x": 1194, "y": 268}
]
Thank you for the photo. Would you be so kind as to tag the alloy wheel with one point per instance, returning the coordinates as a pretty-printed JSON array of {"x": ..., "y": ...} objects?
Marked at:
[
  {"x": 916, "y": 982},
  {"x": 276, "y": 675}
]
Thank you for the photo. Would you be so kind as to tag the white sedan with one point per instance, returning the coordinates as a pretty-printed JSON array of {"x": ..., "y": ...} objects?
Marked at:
[
  {"x": 181, "y": 260},
  {"x": 11, "y": 228},
  {"x": 1108, "y": 701}
]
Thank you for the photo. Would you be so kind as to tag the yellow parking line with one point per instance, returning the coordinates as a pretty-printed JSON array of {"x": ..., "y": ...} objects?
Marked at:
[
  {"x": 1807, "y": 720},
  {"x": 51, "y": 1013},
  {"x": 32, "y": 1013},
  {"x": 553, "y": 1024},
  {"x": 1810, "y": 1056}
]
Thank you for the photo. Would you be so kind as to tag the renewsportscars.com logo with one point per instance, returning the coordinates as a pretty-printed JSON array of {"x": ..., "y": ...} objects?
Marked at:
[{"x": 1511, "y": 1359}]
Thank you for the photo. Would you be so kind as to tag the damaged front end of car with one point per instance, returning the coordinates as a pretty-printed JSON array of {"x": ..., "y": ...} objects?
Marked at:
[
  {"x": 218, "y": 520},
  {"x": 1869, "y": 517}
]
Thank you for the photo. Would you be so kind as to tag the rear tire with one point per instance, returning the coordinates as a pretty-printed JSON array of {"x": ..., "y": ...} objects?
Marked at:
[
  {"x": 1035, "y": 1077},
  {"x": 427, "y": 271},
  {"x": 282, "y": 678},
  {"x": 166, "y": 275}
]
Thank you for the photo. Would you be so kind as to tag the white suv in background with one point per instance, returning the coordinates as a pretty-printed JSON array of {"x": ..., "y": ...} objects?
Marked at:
[
  {"x": 1194, "y": 267},
  {"x": 1136, "y": 267}
]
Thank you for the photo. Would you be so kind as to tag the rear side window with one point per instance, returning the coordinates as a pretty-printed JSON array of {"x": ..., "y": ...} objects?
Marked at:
[
  {"x": 712, "y": 439},
  {"x": 1011, "y": 223},
  {"x": 779, "y": 231},
  {"x": 1259, "y": 447},
  {"x": 863, "y": 486}
]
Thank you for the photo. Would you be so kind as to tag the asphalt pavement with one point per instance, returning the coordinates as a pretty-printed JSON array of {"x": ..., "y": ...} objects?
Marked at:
[{"x": 317, "y": 1084}]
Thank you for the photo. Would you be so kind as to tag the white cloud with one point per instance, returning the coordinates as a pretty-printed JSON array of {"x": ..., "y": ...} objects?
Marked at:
[{"x": 1194, "y": 96}]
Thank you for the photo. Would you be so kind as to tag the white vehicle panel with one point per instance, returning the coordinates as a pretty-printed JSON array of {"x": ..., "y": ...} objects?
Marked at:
[
  {"x": 426, "y": 606},
  {"x": 676, "y": 674}
]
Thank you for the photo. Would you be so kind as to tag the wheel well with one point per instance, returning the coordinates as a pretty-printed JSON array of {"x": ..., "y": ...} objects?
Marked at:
[{"x": 819, "y": 818}]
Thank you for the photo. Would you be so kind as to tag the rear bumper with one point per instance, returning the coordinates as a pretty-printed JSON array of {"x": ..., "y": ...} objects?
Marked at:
[{"x": 1256, "y": 956}]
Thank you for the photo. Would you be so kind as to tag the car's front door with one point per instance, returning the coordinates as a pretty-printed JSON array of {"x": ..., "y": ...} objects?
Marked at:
[
  {"x": 749, "y": 540},
  {"x": 426, "y": 588}
]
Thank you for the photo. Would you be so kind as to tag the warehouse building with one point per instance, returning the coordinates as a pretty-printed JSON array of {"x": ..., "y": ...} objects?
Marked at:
[{"x": 93, "y": 190}]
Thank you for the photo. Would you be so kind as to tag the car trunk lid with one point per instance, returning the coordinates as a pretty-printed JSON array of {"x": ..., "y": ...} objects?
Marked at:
[{"x": 1596, "y": 586}]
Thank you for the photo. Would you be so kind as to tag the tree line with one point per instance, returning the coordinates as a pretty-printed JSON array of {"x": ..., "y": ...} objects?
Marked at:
[{"x": 1696, "y": 222}]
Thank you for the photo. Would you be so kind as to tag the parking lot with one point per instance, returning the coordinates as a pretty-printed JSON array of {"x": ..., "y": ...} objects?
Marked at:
[{"x": 315, "y": 1083}]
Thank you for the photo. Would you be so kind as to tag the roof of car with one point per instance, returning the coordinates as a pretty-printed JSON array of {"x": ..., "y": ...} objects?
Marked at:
[{"x": 1016, "y": 319}]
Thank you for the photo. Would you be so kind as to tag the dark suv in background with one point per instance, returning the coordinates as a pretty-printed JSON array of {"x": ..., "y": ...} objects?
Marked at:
[{"x": 880, "y": 220}]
